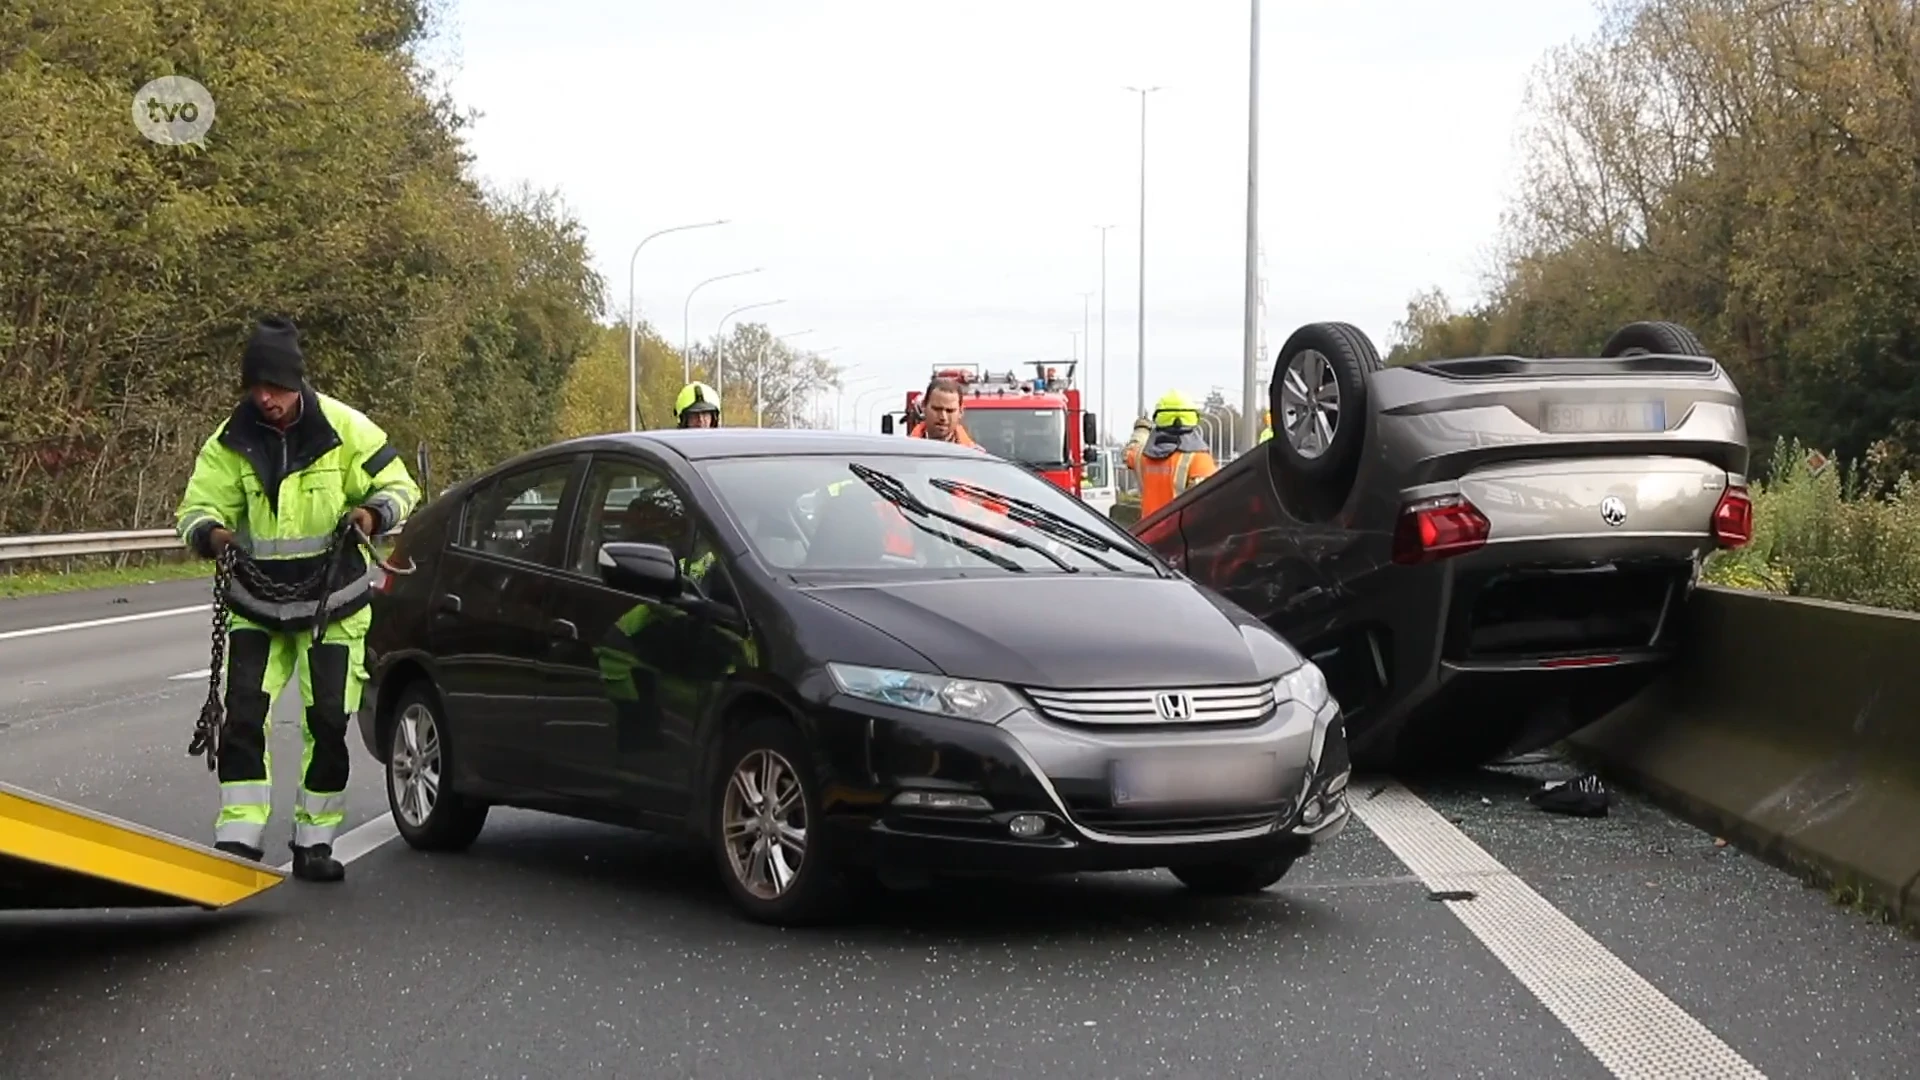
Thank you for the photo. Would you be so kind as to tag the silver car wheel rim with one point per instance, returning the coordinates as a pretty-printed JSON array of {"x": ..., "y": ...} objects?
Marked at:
[
  {"x": 1310, "y": 403},
  {"x": 763, "y": 822},
  {"x": 414, "y": 773}
]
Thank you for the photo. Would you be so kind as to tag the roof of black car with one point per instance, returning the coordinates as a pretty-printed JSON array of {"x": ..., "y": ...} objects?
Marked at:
[{"x": 705, "y": 444}]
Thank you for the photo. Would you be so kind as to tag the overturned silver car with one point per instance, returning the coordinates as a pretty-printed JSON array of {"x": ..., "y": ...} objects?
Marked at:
[{"x": 1483, "y": 554}]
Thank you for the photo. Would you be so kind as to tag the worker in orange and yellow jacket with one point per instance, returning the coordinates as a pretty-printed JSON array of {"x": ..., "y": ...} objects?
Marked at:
[{"x": 1171, "y": 455}]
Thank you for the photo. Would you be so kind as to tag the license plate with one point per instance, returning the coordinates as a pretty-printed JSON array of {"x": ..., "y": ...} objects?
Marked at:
[
  {"x": 1607, "y": 416},
  {"x": 1236, "y": 777}
]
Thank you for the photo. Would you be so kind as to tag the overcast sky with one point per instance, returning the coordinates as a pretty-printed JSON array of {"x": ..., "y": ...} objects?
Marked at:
[{"x": 921, "y": 180}]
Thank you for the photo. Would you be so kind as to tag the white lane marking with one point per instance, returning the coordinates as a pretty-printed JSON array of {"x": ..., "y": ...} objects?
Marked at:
[
  {"x": 362, "y": 839},
  {"x": 185, "y": 675},
  {"x": 36, "y": 631},
  {"x": 1634, "y": 1029}
]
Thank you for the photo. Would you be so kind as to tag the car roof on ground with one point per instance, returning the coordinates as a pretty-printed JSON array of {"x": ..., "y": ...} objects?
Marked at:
[{"x": 708, "y": 444}]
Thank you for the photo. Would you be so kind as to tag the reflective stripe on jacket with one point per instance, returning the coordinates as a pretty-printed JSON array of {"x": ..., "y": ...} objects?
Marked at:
[{"x": 283, "y": 494}]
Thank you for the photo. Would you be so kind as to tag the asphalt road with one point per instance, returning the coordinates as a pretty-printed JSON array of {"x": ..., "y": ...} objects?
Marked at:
[{"x": 560, "y": 949}]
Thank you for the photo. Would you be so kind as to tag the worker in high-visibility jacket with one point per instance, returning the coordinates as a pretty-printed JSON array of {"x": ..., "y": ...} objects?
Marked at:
[
  {"x": 698, "y": 405},
  {"x": 276, "y": 479},
  {"x": 1173, "y": 456},
  {"x": 1266, "y": 432}
]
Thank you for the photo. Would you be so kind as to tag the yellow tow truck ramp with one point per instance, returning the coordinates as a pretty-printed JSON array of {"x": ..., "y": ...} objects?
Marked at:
[{"x": 56, "y": 857}]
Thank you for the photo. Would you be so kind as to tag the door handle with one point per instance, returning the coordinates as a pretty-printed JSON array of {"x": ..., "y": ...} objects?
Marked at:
[
  {"x": 563, "y": 629},
  {"x": 449, "y": 603}
]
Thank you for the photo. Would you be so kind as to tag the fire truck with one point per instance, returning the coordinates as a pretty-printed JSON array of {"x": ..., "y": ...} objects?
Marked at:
[{"x": 1038, "y": 422}]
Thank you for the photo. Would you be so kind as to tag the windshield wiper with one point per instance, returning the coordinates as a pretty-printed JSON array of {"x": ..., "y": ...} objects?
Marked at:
[
  {"x": 970, "y": 547},
  {"x": 1042, "y": 520},
  {"x": 891, "y": 489}
]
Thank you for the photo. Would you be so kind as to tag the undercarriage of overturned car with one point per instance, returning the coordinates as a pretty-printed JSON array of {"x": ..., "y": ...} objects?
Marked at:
[{"x": 1483, "y": 554}]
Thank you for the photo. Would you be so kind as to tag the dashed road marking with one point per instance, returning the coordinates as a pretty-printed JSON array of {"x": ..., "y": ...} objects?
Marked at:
[
  {"x": 116, "y": 620},
  {"x": 1637, "y": 1032},
  {"x": 185, "y": 675}
]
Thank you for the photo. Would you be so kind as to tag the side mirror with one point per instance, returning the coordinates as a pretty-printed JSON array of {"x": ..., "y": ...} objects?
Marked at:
[
  {"x": 1091, "y": 455},
  {"x": 1088, "y": 429},
  {"x": 886, "y": 424},
  {"x": 647, "y": 569}
]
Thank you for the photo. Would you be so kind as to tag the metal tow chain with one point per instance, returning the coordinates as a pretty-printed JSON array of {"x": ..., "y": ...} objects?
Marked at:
[{"x": 234, "y": 563}]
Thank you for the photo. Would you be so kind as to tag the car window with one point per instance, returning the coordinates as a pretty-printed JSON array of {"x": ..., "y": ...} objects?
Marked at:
[
  {"x": 1035, "y": 436},
  {"x": 514, "y": 515},
  {"x": 627, "y": 502},
  {"x": 814, "y": 514}
]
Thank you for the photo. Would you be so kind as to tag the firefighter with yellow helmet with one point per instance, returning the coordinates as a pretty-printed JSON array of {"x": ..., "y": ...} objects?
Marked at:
[
  {"x": 1171, "y": 455},
  {"x": 697, "y": 406}
]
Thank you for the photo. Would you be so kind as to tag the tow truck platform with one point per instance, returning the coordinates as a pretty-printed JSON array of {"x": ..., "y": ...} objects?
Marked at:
[{"x": 59, "y": 857}]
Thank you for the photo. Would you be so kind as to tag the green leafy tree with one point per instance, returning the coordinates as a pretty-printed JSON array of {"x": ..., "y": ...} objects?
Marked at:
[
  {"x": 1749, "y": 168},
  {"x": 333, "y": 187}
]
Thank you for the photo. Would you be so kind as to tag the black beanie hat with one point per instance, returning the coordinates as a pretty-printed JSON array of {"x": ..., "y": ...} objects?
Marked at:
[{"x": 273, "y": 356}]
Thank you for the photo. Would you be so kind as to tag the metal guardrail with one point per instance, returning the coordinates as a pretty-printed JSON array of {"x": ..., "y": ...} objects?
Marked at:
[
  {"x": 70, "y": 545},
  {"x": 65, "y": 545}
]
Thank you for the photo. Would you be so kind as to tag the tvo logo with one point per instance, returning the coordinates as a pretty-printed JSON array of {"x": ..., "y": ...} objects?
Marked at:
[{"x": 173, "y": 111}]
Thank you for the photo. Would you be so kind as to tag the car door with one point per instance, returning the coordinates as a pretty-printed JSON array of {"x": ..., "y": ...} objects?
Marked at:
[
  {"x": 488, "y": 621},
  {"x": 631, "y": 675}
]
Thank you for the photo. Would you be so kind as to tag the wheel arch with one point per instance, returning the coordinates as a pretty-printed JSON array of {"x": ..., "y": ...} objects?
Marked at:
[
  {"x": 745, "y": 704},
  {"x": 401, "y": 675}
]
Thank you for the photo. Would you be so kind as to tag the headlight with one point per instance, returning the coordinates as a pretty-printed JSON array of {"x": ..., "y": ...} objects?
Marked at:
[
  {"x": 1306, "y": 684},
  {"x": 964, "y": 699}
]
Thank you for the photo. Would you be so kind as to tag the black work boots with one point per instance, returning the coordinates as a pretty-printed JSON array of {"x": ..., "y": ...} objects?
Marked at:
[
  {"x": 316, "y": 863},
  {"x": 240, "y": 850}
]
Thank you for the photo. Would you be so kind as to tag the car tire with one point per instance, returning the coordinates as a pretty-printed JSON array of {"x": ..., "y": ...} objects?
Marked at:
[
  {"x": 1323, "y": 370},
  {"x": 430, "y": 815},
  {"x": 1662, "y": 338},
  {"x": 1240, "y": 877},
  {"x": 771, "y": 749}
]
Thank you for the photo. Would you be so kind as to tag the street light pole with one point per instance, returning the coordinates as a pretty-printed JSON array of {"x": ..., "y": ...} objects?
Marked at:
[
  {"x": 1140, "y": 397},
  {"x": 720, "y": 345},
  {"x": 633, "y": 325},
  {"x": 1250, "y": 333},
  {"x": 686, "y": 313}
]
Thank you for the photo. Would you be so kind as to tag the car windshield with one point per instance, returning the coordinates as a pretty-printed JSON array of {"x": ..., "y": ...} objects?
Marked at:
[
  {"x": 1036, "y": 437},
  {"x": 882, "y": 515}
]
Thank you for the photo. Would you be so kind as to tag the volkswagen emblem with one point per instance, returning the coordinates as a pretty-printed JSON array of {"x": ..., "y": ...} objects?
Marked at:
[
  {"x": 1173, "y": 706},
  {"x": 1613, "y": 510}
]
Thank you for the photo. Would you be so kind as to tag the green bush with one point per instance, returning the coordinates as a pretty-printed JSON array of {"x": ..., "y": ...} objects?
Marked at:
[{"x": 1841, "y": 534}]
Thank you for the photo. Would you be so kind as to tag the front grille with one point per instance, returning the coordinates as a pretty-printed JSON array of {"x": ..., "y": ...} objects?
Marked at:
[
  {"x": 1208, "y": 706},
  {"x": 1124, "y": 824}
]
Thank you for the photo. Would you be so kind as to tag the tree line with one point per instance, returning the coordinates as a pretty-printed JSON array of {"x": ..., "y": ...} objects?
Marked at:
[
  {"x": 334, "y": 188},
  {"x": 1748, "y": 168}
]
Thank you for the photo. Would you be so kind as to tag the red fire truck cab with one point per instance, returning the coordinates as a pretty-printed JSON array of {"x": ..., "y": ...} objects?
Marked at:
[{"x": 1038, "y": 422}]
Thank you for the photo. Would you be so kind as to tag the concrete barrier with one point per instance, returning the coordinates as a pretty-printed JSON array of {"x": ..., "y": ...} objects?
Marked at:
[{"x": 1792, "y": 728}]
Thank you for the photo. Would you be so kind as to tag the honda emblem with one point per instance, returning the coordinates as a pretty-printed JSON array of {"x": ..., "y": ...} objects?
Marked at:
[{"x": 1173, "y": 706}]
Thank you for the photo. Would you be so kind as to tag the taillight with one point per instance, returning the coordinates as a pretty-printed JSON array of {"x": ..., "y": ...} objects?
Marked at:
[
  {"x": 1733, "y": 518},
  {"x": 1437, "y": 529}
]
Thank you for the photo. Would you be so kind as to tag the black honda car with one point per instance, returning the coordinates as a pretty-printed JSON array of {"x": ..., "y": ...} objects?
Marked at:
[{"x": 833, "y": 658}]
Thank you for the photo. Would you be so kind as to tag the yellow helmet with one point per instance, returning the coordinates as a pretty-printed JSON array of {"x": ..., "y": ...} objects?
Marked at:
[
  {"x": 696, "y": 397},
  {"x": 1174, "y": 408}
]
